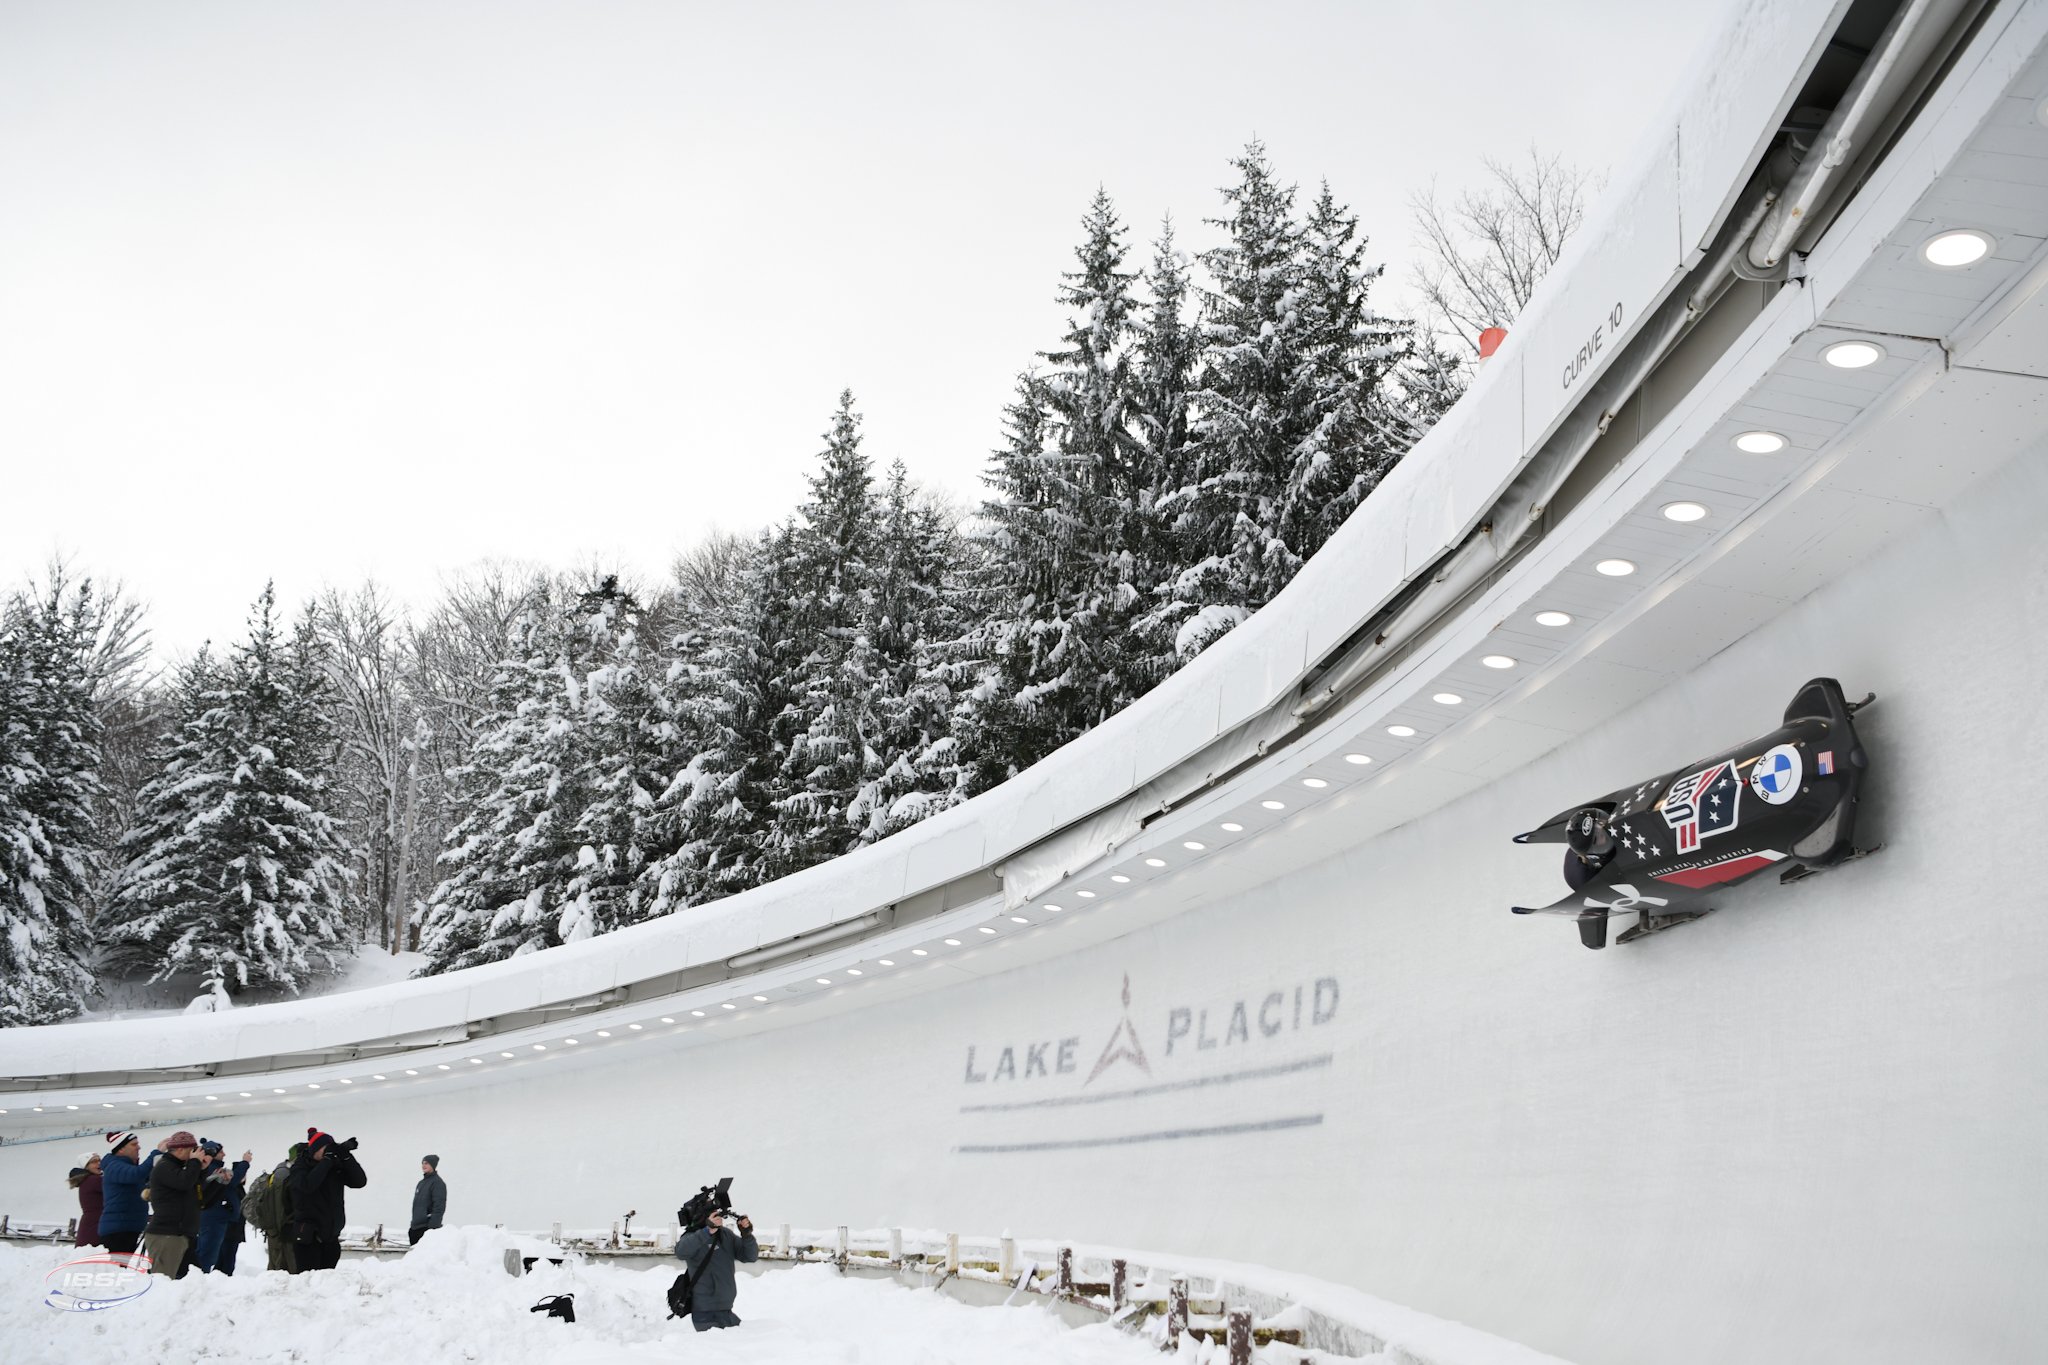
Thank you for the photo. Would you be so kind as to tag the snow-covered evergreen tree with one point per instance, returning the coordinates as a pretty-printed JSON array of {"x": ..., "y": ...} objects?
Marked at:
[
  {"x": 49, "y": 760},
  {"x": 235, "y": 863},
  {"x": 1167, "y": 352}
]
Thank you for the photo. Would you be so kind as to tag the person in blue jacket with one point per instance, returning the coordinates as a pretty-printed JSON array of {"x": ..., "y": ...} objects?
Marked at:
[
  {"x": 710, "y": 1253},
  {"x": 220, "y": 1218},
  {"x": 123, "y": 1215}
]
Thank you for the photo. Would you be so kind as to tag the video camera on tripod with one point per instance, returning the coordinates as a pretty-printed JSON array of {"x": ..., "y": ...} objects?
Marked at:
[{"x": 705, "y": 1202}]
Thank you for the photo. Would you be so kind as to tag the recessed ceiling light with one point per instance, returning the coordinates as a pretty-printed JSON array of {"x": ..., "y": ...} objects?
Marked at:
[
  {"x": 474, "y": 1061},
  {"x": 310, "y": 1085},
  {"x": 374, "y": 1078},
  {"x": 1231, "y": 827},
  {"x": 1155, "y": 862},
  {"x": 728, "y": 1005},
  {"x": 1684, "y": 511},
  {"x": 604, "y": 1033},
  {"x": 409, "y": 1072},
  {"x": 666, "y": 1019},
  {"x": 537, "y": 1047},
  {"x": 919, "y": 952},
  {"x": 243, "y": 1093},
  {"x": 1193, "y": 845},
  {"x": 211, "y": 1097},
  {"x": 1274, "y": 805},
  {"x": 144, "y": 1104},
  {"x": 1316, "y": 783},
  {"x": 1057, "y": 908},
  {"x": 760, "y": 999},
  {"x": 696, "y": 1014},
  {"x": 572, "y": 1042},
  {"x": 444, "y": 1066},
  {"x": 1401, "y": 731},
  {"x": 1953, "y": 250},
  {"x": 502, "y": 1054},
  {"x": 853, "y": 971},
  {"x": 1553, "y": 618},
  {"x": 887, "y": 961},
  {"x": 635, "y": 1027},
  {"x": 1019, "y": 919},
  {"x": 1498, "y": 661},
  {"x": 1359, "y": 760},
  {"x": 1759, "y": 443},
  {"x": 1853, "y": 355},
  {"x": 1118, "y": 878},
  {"x": 984, "y": 929},
  {"x": 824, "y": 981},
  {"x": 1616, "y": 568},
  {"x": 952, "y": 943},
  {"x": 1448, "y": 699},
  {"x": 279, "y": 1090},
  {"x": 181, "y": 1101}
]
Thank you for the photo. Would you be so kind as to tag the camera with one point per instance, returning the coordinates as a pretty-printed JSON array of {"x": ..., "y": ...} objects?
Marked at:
[
  {"x": 707, "y": 1201},
  {"x": 348, "y": 1146}
]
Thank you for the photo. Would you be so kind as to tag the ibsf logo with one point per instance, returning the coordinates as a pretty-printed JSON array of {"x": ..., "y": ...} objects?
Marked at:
[{"x": 89, "y": 1283}]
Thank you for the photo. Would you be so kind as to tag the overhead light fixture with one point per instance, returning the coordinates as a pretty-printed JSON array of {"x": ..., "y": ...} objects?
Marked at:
[
  {"x": 1019, "y": 919},
  {"x": 666, "y": 1019},
  {"x": 853, "y": 971},
  {"x": 374, "y": 1078},
  {"x": 474, "y": 1061},
  {"x": 919, "y": 952},
  {"x": 1553, "y": 619},
  {"x": 277, "y": 1090},
  {"x": 604, "y": 1033},
  {"x": 1684, "y": 511},
  {"x": 636, "y": 1027},
  {"x": 1155, "y": 862},
  {"x": 1274, "y": 805},
  {"x": 696, "y": 1014},
  {"x": 1231, "y": 827},
  {"x": 572, "y": 1042},
  {"x": 824, "y": 981},
  {"x": 952, "y": 943},
  {"x": 1401, "y": 731},
  {"x": 728, "y": 1005},
  {"x": 984, "y": 929},
  {"x": 1853, "y": 355},
  {"x": 537, "y": 1047},
  {"x": 1118, "y": 878},
  {"x": 1498, "y": 661},
  {"x": 243, "y": 1093},
  {"x": 502, "y": 1054},
  {"x": 760, "y": 999},
  {"x": 181, "y": 1101},
  {"x": 1056, "y": 909},
  {"x": 144, "y": 1104},
  {"x": 1193, "y": 845},
  {"x": 1759, "y": 443},
  {"x": 1448, "y": 699},
  {"x": 211, "y": 1097},
  {"x": 1315, "y": 783},
  {"x": 890, "y": 962},
  {"x": 1958, "y": 248},
  {"x": 1616, "y": 568},
  {"x": 444, "y": 1066},
  {"x": 310, "y": 1085}
]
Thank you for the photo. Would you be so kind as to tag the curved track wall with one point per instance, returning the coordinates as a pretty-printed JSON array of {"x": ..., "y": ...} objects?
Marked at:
[{"x": 1806, "y": 1128}]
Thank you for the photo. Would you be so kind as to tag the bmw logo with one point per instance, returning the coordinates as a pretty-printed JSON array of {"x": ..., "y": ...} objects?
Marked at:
[{"x": 1777, "y": 775}]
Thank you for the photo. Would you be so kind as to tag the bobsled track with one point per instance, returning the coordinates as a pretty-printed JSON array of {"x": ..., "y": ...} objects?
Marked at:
[{"x": 1233, "y": 977}]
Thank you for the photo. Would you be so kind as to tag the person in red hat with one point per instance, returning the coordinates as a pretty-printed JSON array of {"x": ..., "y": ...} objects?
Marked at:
[
  {"x": 320, "y": 1179},
  {"x": 173, "y": 1206}
]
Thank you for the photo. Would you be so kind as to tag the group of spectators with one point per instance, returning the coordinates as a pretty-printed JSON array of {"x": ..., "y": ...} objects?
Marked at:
[{"x": 184, "y": 1205}]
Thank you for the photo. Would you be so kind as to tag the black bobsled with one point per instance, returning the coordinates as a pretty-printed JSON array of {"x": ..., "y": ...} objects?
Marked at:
[{"x": 1783, "y": 801}]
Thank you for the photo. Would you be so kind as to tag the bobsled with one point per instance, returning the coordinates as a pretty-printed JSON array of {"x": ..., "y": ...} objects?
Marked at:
[{"x": 1661, "y": 850}]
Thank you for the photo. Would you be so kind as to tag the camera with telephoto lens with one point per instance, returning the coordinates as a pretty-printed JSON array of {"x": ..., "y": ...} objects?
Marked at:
[{"x": 348, "y": 1146}]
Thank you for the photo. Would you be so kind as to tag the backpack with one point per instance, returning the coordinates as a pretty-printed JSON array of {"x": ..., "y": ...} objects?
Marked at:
[
  {"x": 679, "y": 1295},
  {"x": 263, "y": 1207}
]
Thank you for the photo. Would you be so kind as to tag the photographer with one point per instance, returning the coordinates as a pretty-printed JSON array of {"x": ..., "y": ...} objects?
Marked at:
[
  {"x": 174, "y": 1198},
  {"x": 318, "y": 1184},
  {"x": 710, "y": 1253}
]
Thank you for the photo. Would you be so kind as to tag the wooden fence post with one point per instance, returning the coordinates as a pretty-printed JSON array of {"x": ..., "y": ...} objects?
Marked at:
[
  {"x": 1176, "y": 1310},
  {"x": 782, "y": 1240},
  {"x": 1240, "y": 1336},
  {"x": 895, "y": 1246},
  {"x": 952, "y": 1253},
  {"x": 1119, "y": 1276},
  {"x": 1064, "y": 1284},
  {"x": 842, "y": 1246}
]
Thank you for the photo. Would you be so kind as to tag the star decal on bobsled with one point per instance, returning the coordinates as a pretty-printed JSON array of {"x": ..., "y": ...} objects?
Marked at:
[{"x": 1784, "y": 800}]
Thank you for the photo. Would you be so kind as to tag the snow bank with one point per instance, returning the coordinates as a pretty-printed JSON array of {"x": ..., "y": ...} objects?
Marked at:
[{"x": 450, "y": 1300}]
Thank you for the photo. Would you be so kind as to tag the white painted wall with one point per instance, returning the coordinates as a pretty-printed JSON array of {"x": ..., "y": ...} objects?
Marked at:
[{"x": 1808, "y": 1128}]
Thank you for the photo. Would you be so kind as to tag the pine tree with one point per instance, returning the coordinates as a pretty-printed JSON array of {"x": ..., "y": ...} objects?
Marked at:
[
  {"x": 50, "y": 734},
  {"x": 235, "y": 865},
  {"x": 1167, "y": 352}
]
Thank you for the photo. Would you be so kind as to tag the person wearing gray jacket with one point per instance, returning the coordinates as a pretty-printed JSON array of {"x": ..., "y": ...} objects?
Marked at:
[
  {"x": 710, "y": 1252},
  {"x": 429, "y": 1199}
]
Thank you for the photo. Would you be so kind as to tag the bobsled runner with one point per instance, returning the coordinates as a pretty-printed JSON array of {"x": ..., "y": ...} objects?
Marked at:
[{"x": 1784, "y": 801}]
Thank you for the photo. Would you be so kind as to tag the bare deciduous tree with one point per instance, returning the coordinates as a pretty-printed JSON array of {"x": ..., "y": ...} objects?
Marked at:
[{"x": 1484, "y": 254}]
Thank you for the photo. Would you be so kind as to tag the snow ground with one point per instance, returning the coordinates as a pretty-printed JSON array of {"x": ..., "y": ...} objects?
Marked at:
[
  {"x": 371, "y": 966},
  {"x": 450, "y": 1300}
]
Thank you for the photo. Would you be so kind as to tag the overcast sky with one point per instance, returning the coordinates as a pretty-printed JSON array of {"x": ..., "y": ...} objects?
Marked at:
[{"x": 318, "y": 290}]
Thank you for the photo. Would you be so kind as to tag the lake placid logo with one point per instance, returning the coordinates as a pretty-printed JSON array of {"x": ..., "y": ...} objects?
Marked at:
[
  {"x": 87, "y": 1284},
  {"x": 1123, "y": 1044},
  {"x": 1249, "y": 1022}
]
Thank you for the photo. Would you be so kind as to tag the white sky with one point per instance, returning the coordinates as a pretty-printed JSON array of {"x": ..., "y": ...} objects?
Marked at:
[{"x": 322, "y": 290}]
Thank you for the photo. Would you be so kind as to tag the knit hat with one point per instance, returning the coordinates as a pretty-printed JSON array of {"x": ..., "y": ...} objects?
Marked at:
[
  {"x": 315, "y": 1140},
  {"x": 181, "y": 1138},
  {"x": 116, "y": 1141},
  {"x": 432, "y": 1160},
  {"x": 209, "y": 1145}
]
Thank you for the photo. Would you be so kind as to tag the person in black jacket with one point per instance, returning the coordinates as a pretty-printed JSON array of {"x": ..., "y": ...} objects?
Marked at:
[
  {"x": 173, "y": 1206},
  {"x": 710, "y": 1253},
  {"x": 318, "y": 1185},
  {"x": 429, "y": 1200}
]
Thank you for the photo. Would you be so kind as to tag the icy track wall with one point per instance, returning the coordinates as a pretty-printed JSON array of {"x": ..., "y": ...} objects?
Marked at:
[{"x": 1807, "y": 1128}]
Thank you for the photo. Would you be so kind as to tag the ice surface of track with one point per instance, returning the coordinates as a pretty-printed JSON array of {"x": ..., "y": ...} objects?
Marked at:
[{"x": 451, "y": 1300}]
